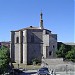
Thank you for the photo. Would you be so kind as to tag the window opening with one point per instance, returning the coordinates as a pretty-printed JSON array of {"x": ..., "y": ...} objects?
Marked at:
[{"x": 17, "y": 39}]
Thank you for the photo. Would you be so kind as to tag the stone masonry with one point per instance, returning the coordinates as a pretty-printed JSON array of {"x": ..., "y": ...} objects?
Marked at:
[{"x": 32, "y": 42}]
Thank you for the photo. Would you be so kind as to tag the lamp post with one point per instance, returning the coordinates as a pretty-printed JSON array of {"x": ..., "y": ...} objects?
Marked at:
[{"x": 66, "y": 69}]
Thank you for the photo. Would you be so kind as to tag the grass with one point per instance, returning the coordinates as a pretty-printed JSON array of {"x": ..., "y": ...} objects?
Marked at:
[{"x": 28, "y": 67}]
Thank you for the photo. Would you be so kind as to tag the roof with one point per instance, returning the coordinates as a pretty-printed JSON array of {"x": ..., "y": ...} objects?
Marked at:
[
  {"x": 69, "y": 43},
  {"x": 30, "y": 27}
]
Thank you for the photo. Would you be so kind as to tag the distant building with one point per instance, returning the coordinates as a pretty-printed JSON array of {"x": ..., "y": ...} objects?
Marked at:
[
  {"x": 70, "y": 43},
  {"x": 67, "y": 45},
  {"x": 32, "y": 42},
  {"x": 7, "y": 44}
]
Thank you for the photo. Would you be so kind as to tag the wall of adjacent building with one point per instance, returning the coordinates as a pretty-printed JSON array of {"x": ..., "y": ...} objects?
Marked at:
[
  {"x": 49, "y": 44},
  {"x": 53, "y": 45}
]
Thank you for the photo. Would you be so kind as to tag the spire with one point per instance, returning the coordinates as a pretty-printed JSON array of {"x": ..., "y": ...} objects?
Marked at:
[
  {"x": 41, "y": 16},
  {"x": 41, "y": 21}
]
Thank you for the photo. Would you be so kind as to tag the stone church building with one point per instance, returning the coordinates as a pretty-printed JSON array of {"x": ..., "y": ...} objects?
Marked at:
[{"x": 32, "y": 42}]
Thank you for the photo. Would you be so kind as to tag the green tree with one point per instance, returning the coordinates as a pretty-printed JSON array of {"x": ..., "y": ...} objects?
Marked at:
[
  {"x": 71, "y": 54},
  {"x": 35, "y": 61},
  {"x": 62, "y": 51},
  {"x": 67, "y": 52},
  {"x": 4, "y": 59}
]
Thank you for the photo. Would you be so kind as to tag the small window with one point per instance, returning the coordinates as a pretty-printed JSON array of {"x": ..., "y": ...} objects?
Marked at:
[
  {"x": 32, "y": 38},
  {"x": 17, "y": 39},
  {"x": 50, "y": 53},
  {"x": 53, "y": 46}
]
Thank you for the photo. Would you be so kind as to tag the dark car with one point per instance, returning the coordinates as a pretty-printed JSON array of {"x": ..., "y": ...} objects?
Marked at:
[
  {"x": 15, "y": 72},
  {"x": 43, "y": 71}
]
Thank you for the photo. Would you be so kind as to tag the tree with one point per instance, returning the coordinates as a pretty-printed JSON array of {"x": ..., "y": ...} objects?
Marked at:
[
  {"x": 4, "y": 59},
  {"x": 35, "y": 61},
  {"x": 62, "y": 51},
  {"x": 71, "y": 54},
  {"x": 67, "y": 52}
]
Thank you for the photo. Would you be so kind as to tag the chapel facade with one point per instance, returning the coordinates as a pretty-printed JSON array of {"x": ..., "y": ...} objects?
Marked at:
[{"x": 32, "y": 42}]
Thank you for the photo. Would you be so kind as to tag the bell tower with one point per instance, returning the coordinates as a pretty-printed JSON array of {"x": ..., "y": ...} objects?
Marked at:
[{"x": 41, "y": 21}]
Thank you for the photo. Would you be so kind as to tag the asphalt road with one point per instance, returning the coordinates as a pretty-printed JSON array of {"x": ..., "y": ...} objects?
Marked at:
[{"x": 28, "y": 73}]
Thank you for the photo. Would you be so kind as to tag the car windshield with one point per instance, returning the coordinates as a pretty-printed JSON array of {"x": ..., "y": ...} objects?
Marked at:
[{"x": 43, "y": 69}]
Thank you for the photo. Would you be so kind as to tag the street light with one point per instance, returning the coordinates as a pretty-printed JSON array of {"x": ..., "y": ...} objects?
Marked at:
[{"x": 66, "y": 69}]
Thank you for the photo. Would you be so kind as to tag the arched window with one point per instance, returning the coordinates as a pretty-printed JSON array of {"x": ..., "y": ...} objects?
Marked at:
[{"x": 17, "y": 39}]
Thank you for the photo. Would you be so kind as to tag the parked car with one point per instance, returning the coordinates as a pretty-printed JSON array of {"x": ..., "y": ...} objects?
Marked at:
[
  {"x": 15, "y": 72},
  {"x": 43, "y": 71}
]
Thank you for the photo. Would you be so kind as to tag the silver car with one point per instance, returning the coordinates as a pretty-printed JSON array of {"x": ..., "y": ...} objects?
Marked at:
[{"x": 43, "y": 71}]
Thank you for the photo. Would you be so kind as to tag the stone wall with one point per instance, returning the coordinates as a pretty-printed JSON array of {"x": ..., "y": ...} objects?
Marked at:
[
  {"x": 31, "y": 44},
  {"x": 34, "y": 45},
  {"x": 58, "y": 64}
]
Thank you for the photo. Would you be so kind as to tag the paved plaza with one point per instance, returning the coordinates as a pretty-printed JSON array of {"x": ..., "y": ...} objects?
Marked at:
[{"x": 34, "y": 72}]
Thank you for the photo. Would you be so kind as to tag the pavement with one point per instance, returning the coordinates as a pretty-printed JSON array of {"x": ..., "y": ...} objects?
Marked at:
[{"x": 34, "y": 72}]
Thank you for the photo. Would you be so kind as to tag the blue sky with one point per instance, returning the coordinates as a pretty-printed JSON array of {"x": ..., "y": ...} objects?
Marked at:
[{"x": 58, "y": 16}]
